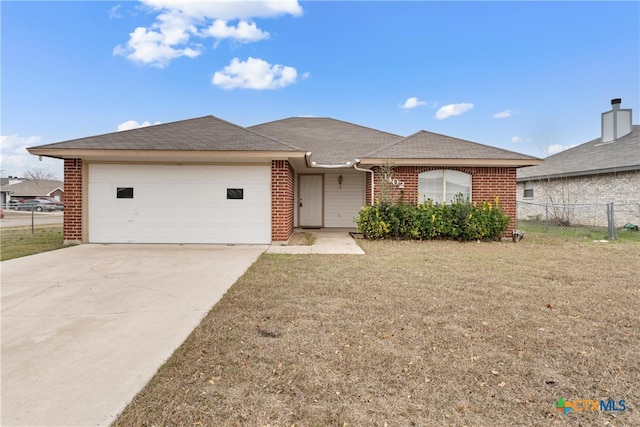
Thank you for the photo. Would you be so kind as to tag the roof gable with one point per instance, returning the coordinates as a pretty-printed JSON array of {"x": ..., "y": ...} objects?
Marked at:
[
  {"x": 206, "y": 133},
  {"x": 429, "y": 145},
  {"x": 329, "y": 140},
  {"x": 590, "y": 158}
]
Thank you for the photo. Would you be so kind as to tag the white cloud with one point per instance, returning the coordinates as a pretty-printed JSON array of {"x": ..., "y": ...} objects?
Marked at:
[
  {"x": 453, "y": 110},
  {"x": 133, "y": 124},
  {"x": 412, "y": 102},
  {"x": 178, "y": 22},
  {"x": 244, "y": 32},
  {"x": 254, "y": 74},
  {"x": 502, "y": 115},
  {"x": 113, "y": 12},
  {"x": 16, "y": 160},
  {"x": 556, "y": 148}
]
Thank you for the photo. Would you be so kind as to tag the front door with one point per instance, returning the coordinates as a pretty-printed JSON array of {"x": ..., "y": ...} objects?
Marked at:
[{"x": 310, "y": 201}]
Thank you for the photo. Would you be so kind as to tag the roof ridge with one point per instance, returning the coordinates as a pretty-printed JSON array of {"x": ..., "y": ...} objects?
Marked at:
[{"x": 328, "y": 118}]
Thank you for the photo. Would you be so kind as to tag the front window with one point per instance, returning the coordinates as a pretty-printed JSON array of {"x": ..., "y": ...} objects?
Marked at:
[{"x": 443, "y": 185}]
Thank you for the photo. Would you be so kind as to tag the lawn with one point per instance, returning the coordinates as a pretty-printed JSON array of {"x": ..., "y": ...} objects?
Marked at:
[
  {"x": 20, "y": 241},
  {"x": 412, "y": 333}
]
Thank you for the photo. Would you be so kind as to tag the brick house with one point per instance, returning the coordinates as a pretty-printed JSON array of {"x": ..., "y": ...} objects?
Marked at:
[
  {"x": 579, "y": 181},
  {"x": 206, "y": 180}
]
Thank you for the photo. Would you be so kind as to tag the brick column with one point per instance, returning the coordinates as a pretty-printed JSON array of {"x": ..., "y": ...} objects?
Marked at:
[
  {"x": 282, "y": 200},
  {"x": 72, "y": 224}
]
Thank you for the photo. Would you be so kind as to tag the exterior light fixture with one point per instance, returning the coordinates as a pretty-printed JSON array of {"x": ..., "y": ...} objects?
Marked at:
[{"x": 340, "y": 179}]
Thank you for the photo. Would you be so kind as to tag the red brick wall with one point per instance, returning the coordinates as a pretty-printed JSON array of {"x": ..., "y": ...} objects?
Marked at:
[
  {"x": 282, "y": 200},
  {"x": 486, "y": 184},
  {"x": 72, "y": 225}
]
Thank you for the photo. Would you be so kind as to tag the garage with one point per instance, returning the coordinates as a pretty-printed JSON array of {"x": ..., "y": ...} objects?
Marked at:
[{"x": 224, "y": 204}]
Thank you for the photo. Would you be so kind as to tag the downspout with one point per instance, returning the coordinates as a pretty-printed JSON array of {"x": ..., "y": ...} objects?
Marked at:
[{"x": 355, "y": 166}]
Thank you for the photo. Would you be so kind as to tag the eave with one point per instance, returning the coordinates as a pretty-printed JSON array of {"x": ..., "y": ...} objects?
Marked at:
[
  {"x": 453, "y": 162},
  {"x": 164, "y": 156}
]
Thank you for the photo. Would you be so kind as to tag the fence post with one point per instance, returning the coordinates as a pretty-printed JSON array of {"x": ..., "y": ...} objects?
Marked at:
[{"x": 611, "y": 222}]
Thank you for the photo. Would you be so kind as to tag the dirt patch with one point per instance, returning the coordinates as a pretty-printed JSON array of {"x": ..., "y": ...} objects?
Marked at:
[
  {"x": 302, "y": 238},
  {"x": 412, "y": 333}
]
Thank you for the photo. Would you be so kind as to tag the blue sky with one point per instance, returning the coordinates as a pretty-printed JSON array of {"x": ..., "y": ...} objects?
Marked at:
[{"x": 531, "y": 77}]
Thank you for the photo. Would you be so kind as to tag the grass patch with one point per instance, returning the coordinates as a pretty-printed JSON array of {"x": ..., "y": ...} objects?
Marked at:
[
  {"x": 578, "y": 233},
  {"x": 17, "y": 242},
  {"x": 412, "y": 333}
]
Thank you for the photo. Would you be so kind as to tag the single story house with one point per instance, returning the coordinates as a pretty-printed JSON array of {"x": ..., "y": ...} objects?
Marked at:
[
  {"x": 206, "y": 180},
  {"x": 24, "y": 189},
  {"x": 577, "y": 183}
]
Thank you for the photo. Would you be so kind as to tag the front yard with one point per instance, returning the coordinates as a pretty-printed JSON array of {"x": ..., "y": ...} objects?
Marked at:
[{"x": 413, "y": 333}]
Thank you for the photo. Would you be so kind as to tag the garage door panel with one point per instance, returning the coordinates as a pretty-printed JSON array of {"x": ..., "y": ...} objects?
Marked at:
[{"x": 179, "y": 204}]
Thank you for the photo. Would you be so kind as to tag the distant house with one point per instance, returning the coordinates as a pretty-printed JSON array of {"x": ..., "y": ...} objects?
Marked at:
[
  {"x": 31, "y": 189},
  {"x": 584, "y": 178},
  {"x": 254, "y": 185}
]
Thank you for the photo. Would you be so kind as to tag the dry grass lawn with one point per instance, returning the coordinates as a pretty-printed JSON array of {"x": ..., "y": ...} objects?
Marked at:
[{"x": 413, "y": 334}]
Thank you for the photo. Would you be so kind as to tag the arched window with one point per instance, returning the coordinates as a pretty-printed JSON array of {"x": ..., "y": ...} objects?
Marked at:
[{"x": 442, "y": 185}]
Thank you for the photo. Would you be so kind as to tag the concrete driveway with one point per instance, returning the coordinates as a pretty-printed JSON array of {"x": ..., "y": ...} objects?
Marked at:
[{"x": 85, "y": 328}]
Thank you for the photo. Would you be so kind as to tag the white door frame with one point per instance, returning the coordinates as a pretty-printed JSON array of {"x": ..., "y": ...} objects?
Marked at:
[{"x": 317, "y": 205}]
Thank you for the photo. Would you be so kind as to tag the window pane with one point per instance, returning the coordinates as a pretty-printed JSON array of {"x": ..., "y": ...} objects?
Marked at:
[
  {"x": 457, "y": 182},
  {"x": 124, "y": 192},
  {"x": 430, "y": 186}
]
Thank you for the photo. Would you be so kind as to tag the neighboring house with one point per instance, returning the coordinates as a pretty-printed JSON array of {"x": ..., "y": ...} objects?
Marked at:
[
  {"x": 23, "y": 189},
  {"x": 578, "y": 182},
  {"x": 206, "y": 180}
]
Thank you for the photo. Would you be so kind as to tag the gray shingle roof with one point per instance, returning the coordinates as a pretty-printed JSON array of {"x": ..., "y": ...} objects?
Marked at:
[
  {"x": 204, "y": 133},
  {"x": 33, "y": 187},
  {"x": 329, "y": 140},
  {"x": 429, "y": 145},
  {"x": 590, "y": 158}
]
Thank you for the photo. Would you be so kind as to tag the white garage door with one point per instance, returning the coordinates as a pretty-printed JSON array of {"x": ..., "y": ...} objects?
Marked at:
[{"x": 179, "y": 204}]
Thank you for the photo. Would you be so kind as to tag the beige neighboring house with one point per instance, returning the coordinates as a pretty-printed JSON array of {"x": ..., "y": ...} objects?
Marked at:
[
  {"x": 575, "y": 185},
  {"x": 32, "y": 189}
]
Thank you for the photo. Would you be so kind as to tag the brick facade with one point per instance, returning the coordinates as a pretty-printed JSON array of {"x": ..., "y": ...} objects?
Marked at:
[
  {"x": 486, "y": 184},
  {"x": 72, "y": 223},
  {"x": 282, "y": 200}
]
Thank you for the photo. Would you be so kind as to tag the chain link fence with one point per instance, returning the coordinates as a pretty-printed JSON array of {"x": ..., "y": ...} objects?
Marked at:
[{"x": 597, "y": 220}]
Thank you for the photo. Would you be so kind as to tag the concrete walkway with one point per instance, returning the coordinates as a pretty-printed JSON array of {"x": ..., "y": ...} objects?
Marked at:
[
  {"x": 85, "y": 328},
  {"x": 328, "y": 241}
]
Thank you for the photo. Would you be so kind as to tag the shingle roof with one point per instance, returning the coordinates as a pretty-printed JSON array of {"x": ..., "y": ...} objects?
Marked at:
[
  {"x": 204, "y": 133},
  {"x": 34, "y": 187},
  {"x": 590, "y": 158},
  {"x": 429, "y": 145},
  {"x": 329, "y": 140}
]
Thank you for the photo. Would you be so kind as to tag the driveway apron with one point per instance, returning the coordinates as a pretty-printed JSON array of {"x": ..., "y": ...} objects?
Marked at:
[{"x": 85, "y": 328}]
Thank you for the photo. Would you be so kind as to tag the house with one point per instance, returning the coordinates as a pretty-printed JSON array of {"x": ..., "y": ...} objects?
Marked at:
[
  {"x": 206, "y": 180},
  {"x": 23, "y": 189},
  {"x": 578, "y": 182}
]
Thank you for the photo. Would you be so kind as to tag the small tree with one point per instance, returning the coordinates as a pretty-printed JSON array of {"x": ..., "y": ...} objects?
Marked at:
[{"x": 39, "y": 174}]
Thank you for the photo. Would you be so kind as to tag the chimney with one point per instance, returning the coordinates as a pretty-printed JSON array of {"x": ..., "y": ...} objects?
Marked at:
[{"x": 616, "y": 123}]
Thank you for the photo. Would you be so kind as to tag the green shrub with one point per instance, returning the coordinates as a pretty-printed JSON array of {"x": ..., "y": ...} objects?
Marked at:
[{"x": 460, "y": 220}]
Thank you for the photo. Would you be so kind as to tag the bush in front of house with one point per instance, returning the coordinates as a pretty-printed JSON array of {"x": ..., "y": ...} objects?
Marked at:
[{"x": 460, "y": 220}]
